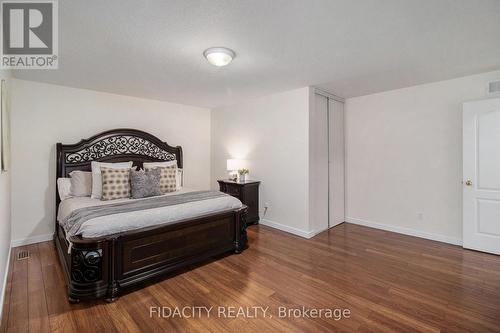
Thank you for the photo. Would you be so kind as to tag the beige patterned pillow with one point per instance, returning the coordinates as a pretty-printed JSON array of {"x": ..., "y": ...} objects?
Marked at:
[
  {"x": 168, "y": 178},
  {"x": 115, "y": 183}
]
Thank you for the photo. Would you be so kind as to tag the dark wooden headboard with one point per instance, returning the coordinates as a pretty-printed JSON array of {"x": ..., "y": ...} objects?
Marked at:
[{"x": 118, "y": 145}]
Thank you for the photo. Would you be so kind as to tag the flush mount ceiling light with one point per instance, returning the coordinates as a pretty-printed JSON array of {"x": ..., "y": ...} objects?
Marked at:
[{"x": 219, "y": 56}]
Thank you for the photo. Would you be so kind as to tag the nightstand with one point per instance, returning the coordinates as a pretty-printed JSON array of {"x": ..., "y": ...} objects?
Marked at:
[{"x": 247, "y": 192}]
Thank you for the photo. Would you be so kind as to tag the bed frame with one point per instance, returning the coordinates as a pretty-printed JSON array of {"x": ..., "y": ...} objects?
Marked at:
[{"x": 103, "y": 267}]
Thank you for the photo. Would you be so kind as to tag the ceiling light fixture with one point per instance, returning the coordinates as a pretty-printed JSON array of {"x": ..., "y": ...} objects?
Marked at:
[{"x": 219, "y": 56}]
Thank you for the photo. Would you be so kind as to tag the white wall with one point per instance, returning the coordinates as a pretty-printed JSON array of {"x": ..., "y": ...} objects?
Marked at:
[
  {"x": 404, "y": 157},
  {"x": 44, "y": 114},
  {"x": 272, "y": 134},
  {"x": 5, "y": 232}
]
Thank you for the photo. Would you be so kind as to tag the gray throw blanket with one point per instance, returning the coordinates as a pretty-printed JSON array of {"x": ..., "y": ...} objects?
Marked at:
[{"x": 74, "y": 221}]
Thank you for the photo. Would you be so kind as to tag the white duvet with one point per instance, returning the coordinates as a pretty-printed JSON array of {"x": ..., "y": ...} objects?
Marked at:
[{"x": 111, "y": 224}]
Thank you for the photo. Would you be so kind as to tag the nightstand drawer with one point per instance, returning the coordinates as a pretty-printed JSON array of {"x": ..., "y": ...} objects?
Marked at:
[
  {"x": 247, "y": 192},
  {"x": 233, "y": 190}
]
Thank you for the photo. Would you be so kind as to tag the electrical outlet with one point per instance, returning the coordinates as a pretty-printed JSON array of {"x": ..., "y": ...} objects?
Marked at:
[
  {"x": 266, "y": 207},
  {"x": 420, "y": 216}
]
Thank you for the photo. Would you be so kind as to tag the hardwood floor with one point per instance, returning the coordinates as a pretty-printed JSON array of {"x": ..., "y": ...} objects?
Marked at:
[{"x": 389, "y": 282}]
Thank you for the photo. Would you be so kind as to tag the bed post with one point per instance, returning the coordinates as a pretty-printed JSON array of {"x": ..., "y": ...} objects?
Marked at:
[
  {"x": 240, "y": 242},
  {"x": 111, "y": 294},
  {"x": 59, "y": 174},
  {"x": 86, "y": 272}
]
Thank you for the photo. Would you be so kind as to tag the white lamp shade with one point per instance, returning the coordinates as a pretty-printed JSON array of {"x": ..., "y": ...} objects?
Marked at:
[{"x": 235, "y": 164}]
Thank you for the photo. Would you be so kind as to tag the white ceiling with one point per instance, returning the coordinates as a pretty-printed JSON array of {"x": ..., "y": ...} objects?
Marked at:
[{"x": 153, "y": 49}]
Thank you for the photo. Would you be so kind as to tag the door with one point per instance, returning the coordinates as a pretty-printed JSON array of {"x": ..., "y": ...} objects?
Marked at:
[
  {"x": 335, "y": 162},
  {"x": 481, "y": 175},
  {"x": 318, "y": 158},
  {"x": 326, "y": 157}
]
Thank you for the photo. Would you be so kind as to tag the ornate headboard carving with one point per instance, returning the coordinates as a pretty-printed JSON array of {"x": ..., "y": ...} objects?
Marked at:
[{"x": 118, "y": 145}]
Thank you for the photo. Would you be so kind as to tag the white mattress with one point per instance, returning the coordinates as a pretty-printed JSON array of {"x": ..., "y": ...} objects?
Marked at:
[{"x": 111, "y": 224}]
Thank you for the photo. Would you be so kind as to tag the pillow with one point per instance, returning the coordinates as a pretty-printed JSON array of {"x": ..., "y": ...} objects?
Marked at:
[
  {"x": 115, "y": 183},
  {"x": 179, "y": 181},
  {"x": 81, "y": 183},
  {"x": 168, "y": 181},
  {"x": 150, "y": 165},
  {"x": 64, "y": 188},
  {"x": 145, "y": 183},
  {"x": 179, "y": 175},
  {"x": 96, "y": 175}
]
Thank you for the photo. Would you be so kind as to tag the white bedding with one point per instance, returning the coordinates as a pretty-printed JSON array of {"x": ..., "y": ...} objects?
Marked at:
[{"x": 111, "y": 224}]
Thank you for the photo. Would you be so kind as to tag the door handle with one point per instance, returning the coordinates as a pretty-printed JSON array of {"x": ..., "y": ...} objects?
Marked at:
[{"x": 468, "y": 182}]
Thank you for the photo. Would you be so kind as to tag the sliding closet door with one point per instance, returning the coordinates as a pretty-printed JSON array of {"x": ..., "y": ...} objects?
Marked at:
[
  {"x": 336, "y": 162},
  {"x": 318, "y": 164}
]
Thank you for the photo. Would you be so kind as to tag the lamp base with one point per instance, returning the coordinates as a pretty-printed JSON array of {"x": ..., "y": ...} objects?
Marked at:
[{"x": 233, "y": 176}]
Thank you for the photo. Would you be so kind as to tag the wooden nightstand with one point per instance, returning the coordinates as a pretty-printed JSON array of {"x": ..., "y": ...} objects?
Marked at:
[{"x": 247, "y": 192}]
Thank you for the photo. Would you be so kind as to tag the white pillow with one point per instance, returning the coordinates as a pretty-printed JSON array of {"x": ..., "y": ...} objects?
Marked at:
[
  {"x": 64, "y": 188},
  {"x": 179, "y": 179},
  {"x": 158, "y": 164},
  {"x": 81, "y": 183},
  {"x": 97, "y": 177}
]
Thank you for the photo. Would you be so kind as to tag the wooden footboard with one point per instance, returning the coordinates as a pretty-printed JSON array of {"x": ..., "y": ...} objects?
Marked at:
[{"x": 105, "y": 266}]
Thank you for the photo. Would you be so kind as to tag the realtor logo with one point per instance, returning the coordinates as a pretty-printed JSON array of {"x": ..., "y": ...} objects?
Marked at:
[{"x": 29, "y": 35}]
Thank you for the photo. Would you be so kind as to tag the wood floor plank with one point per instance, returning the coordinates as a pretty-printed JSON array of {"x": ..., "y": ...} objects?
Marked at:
[
  {"x": 37, "y": 303},
  {"x": 61, "y": 313},
  {"x": 18, "y": 308},
  {"x": 389, "y": 282},
  {"x": 8, "y": 290},
  {"x": 121, "y": 318}
]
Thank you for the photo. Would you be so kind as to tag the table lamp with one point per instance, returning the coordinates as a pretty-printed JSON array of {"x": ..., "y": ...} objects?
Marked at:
[{"x": 233, "y": 165}]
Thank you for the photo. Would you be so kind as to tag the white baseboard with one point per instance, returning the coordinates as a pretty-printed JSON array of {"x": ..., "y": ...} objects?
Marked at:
[
  {"x": 406, "y": 231},
  {"x": 286, "y": 228},
  {"x": 31, "y": 240},
  {"x": 4, "y": 284}
]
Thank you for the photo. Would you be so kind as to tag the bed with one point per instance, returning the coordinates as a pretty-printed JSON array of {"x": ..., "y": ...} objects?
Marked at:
[{"x": 101, "y": 264}]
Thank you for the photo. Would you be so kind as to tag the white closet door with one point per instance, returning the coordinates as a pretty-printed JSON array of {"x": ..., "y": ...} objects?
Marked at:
[
  {"x": 318, "y": 163},
  {"x": 481, "y": 168},
  {"x": 336, "y": 162}
]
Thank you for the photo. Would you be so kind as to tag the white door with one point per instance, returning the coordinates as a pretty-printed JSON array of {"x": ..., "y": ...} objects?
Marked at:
[
  {"x": 318, "y": 155},
  {"x": 481, "y": 175},
  {"x": 335, "y": 162}
]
